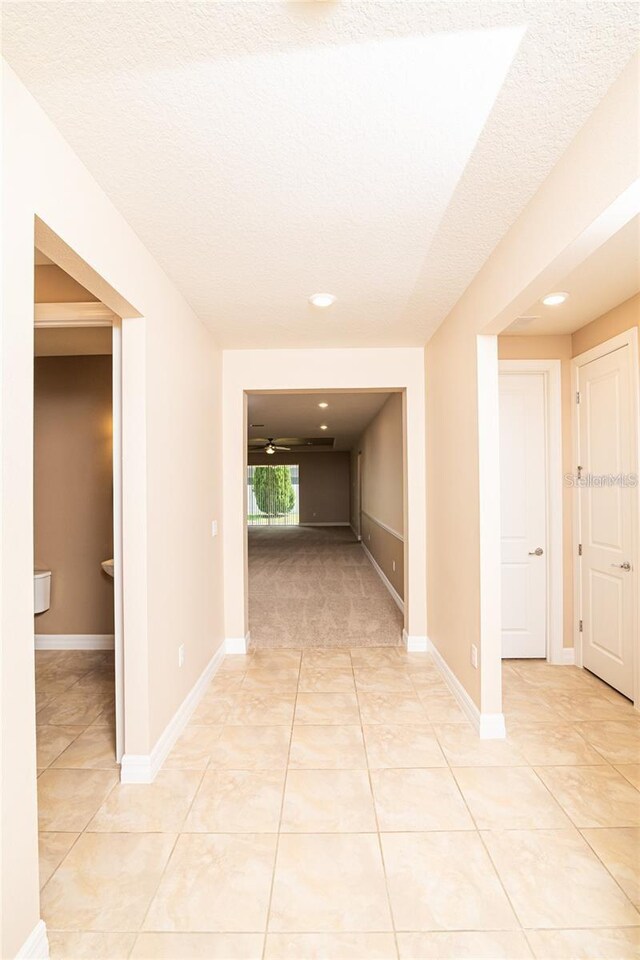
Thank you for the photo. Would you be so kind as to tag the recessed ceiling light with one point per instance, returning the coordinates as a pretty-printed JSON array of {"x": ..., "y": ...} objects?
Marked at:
[
  {"x": 323, "y": 405},
  {"x": 322, "y": 299},
  {"x": 323, "y": 426},
  {"x": 555, "y": 299}
]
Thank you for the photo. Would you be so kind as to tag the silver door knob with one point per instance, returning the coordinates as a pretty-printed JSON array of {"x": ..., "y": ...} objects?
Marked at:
[
  {"x": 537, "y": 552},
  {"x": 623, "y": 566}
]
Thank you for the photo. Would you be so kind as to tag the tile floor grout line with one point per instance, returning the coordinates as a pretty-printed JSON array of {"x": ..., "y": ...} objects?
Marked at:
[
  {"x": 478, "y": 833},
  {"x": 606, "y": 867},
  {"x": 157, "y": 885},
  {"x": 375, "y": 813},
  {"x": 282, "y": 802},
  {"x": 179, "y": 833}
]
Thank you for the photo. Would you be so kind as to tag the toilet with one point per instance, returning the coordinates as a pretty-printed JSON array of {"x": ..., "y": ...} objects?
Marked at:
[{"x": 41, "y": 590}]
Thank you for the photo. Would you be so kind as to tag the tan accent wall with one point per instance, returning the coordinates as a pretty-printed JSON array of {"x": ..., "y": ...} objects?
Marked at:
[
  {"x": 72, "y": 341},
  {"x": 324, "y": 483},
  {"x": 53, "y": 285},
  {"x": 382, "y": 489},
  {"x": 623, "y": 317},
  {"x": 73, "y": 492},
  {"x": 382, "y": 448},
  {"x": 554, "y": 348},
  {"x": 386, "y": 549}
]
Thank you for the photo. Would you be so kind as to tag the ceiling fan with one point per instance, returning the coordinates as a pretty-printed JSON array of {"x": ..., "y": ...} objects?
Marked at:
[{"x": 270, "y": 445}]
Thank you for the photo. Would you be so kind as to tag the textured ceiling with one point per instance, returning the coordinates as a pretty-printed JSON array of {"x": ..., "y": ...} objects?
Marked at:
[
  {"x": 607, "y": 278},
  {"x": 266, "y": 151},
  {"x": 298, "y": 415}
]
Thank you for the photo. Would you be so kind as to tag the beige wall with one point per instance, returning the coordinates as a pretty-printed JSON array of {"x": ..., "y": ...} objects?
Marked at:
[
  {"x": 610, "y": 324},
  {"x": 73, "y": 492},
  {"x": 172, "y": 467},
  {"x": 382, "y": 490},
  {"x": 586, "y": 198},
  {"x": 324, "y": 483}
]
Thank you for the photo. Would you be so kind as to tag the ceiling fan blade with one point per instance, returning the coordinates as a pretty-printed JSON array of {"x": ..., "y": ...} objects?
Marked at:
[
  {"x": 257, "y": 441},
  {"x": 282, "y": 448}
]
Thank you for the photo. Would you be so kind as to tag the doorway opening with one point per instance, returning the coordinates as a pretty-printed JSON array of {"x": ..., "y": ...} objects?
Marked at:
[
  {"x": 325, "y": 519},
  {"x": 569, "y": 439},
  {"x": 78, "y": 632}
]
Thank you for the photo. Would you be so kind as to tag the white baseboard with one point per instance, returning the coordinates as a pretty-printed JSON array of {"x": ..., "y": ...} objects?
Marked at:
[
  {"x": 355, "y": 533},
  {"x": 143, "y": 767},
  {"x": 490, "y": 726},
  {"x": 234, "y": 646},
  {"x": 36, "y": 946},
  {"x": 325, "y": 523},
  {"x": 415, "y": 644},
  {"x": 568, "y": 655},
  {"x": 74, "y": 641},
  {"x": 390, "y": 587}
]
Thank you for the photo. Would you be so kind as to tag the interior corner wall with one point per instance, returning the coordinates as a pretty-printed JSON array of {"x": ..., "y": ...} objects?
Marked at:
[
  {"x": 453, "y": 521},
  {"x": 381, "y": 447},
  {"x": 587, "y": 196},
  {"x": 324, "y": 483},
  {"x": 555, "y": 348},
  {"x": 172, "y": 469},
  {"x": 73, "y": 492}
]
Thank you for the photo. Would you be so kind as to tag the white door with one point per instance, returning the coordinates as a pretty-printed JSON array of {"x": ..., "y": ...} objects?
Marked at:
[
  {"x": 607, "y": 494},
  {"x": 523, "y": 480}
]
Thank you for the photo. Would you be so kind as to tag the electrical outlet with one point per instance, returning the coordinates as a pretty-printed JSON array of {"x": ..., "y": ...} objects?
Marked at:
[
  {"x": 369, "y": 537},
  {"x": 474, "y": 656},
  {"x": 181, "y": 655},
  {"x": 214, "y": 528},
  {"x": 393, "y": 564}
]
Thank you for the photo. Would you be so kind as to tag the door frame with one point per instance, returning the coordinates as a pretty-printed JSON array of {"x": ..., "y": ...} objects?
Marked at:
[
  {"x": 551, "y": 371},
  {"x": 96, "y": 314},
  {"x": 628, "y": 338},
  {"x": 354, "y": 369}
]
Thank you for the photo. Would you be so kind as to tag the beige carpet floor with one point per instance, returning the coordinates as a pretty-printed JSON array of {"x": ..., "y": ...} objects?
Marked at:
[{"x": 315, "y": 587}]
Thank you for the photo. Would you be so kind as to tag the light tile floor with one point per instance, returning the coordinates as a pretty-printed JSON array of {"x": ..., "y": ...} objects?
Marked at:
[{"x": 336, "y": 805}]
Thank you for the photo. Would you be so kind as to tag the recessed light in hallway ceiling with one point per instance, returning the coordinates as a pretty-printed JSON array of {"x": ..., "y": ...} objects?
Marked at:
[
  {"x": 555, "y": 299},
  {"x": 322, "y": 299}
]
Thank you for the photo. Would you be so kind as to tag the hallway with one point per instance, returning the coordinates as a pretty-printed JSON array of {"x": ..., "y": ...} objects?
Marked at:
[
  {"x": 314, "y": 587},
  {"x": 336, "y": 805}
]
